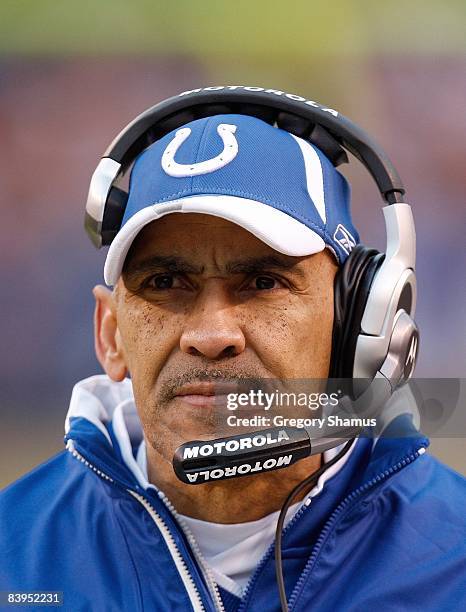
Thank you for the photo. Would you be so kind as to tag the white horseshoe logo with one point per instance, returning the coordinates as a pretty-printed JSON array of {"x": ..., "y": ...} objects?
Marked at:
[{"x": 230, "y": 151}]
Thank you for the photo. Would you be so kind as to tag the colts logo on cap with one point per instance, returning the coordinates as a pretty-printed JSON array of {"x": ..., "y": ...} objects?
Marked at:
[{"x": 230, "y": 151}]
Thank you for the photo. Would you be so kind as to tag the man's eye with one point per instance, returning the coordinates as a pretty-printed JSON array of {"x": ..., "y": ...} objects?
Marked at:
[
  {"x": 162, "y": 281},
  {"x": 264, "y": 282}
]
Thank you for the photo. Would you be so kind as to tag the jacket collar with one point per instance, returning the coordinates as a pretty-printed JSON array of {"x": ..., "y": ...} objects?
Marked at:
[{"x": 96, "y": 405}]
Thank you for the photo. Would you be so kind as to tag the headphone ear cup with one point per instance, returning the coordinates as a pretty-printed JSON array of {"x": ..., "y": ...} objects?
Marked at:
[
  {"x": 351, "y": 290},
  {"x": 113, "y": 214}
]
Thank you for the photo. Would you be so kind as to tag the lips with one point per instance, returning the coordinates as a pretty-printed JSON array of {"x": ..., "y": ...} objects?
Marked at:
[{"x": 206, "y": 393}]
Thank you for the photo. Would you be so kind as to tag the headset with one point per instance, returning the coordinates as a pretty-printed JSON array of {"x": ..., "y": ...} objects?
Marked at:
[{"x": 374, "y": 332}]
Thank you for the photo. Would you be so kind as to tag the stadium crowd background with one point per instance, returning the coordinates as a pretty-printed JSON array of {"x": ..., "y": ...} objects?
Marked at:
[{"x": 72, "y": 74}]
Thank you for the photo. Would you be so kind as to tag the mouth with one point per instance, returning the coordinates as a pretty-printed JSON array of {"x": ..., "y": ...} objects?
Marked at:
[{"x": 205, "y": 393}]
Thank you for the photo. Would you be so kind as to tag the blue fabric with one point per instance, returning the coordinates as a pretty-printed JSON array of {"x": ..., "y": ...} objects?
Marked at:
[
  {"x": 268, "y": 168},
  {"x": 388, "y": 533},
  {"x": 229, "y": 600}
]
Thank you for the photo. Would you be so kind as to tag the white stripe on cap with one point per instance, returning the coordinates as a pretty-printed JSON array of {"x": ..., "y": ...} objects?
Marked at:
[{"x": 314, "y": 176}]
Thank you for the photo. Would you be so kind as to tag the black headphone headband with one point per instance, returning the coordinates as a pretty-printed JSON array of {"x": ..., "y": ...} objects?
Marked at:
[{"x": 293, "y": 113}]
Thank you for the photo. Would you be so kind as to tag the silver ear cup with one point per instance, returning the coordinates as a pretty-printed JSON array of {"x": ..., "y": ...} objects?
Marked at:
[
  {"x": 101, "y": 183},
  {"x": 393, "y": 291},
  {"x": 402, "y": 351}
]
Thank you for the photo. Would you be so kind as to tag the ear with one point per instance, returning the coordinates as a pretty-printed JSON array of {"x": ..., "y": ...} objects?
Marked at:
[{"x": 107, "y": 340}]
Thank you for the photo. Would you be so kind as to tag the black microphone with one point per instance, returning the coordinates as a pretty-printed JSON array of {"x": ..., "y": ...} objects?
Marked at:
[{"x": 201, "y": 461}]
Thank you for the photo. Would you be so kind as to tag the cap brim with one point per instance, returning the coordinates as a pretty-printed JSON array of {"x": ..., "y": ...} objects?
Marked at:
[{"x": 274, "y": 227}]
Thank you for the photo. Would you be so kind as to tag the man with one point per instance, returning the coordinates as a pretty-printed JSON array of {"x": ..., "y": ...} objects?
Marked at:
[{"x": 223, "y": 272}]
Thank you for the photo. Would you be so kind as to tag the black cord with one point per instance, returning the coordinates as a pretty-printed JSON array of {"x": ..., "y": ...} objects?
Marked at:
[{"x": 307, "y": 482}]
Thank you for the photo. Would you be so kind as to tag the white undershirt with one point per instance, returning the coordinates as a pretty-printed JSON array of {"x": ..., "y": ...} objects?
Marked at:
[{"x": 232, "y": 551}]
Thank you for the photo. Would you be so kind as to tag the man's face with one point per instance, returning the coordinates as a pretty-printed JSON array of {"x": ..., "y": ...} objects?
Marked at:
[{"x": 201, "y": 299}]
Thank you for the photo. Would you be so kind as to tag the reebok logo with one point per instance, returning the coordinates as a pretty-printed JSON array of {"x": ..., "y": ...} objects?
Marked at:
[{"x": 344, "y": 238}]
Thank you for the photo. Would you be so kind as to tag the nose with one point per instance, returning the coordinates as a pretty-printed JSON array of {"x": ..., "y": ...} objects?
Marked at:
[{"x": 212, "y": 330}]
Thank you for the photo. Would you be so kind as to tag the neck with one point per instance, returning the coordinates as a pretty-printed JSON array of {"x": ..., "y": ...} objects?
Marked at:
[{"x": 229, "y": 501}]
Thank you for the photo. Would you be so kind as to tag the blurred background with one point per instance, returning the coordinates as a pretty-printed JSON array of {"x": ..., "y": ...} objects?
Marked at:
[{"x": 72, "y": 74}]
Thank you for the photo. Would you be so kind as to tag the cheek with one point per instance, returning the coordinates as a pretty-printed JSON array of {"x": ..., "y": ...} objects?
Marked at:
[
  {"x": 294, "y": 340},
  {"x": 148, "y": 335}
]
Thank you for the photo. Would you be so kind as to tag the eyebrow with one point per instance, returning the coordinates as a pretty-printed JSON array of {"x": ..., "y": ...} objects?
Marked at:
[
  {"x": 253, "y": 265},
  {"x": 180, "y": 265}
]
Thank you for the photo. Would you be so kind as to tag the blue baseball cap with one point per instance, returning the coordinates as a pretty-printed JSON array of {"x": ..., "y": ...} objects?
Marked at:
[{"x": 277, "y": 186}]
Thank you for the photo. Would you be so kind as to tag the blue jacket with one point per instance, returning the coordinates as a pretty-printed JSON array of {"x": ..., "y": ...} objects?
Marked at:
[{"x": 388, "y": 534}]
